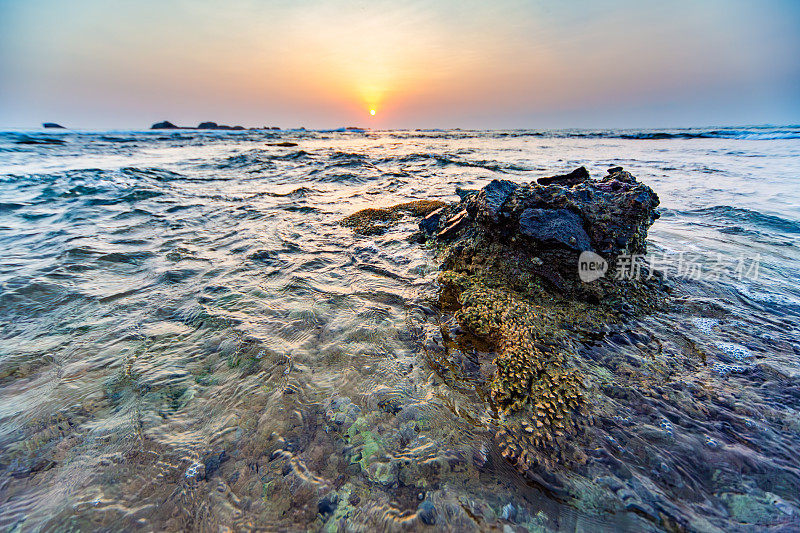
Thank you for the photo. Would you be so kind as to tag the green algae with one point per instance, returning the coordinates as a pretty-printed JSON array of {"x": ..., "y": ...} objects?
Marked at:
[
  {"x": 375, "y": 221},
  {"x": 750, "y": 508}
]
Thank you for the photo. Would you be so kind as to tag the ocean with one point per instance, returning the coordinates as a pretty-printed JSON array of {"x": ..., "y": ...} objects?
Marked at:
[{"x": 191, "y": 340}]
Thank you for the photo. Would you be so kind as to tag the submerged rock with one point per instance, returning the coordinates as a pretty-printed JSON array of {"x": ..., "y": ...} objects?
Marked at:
[
  {"x": 426, "y": 512},
  {"x": 509, "y": 512},
  {"x": 327, "y": 505},
  {"x": 213, "y": 462}
]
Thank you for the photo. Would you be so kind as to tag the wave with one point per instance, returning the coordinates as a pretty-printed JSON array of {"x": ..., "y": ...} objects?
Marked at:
[
  {"x": 29, "y": 139},
  {"x": 749, "y": 133},
  {"x": 158, "y": 174},
  {"x": 248, "y": 160},
  {"x": 444, "y": 160},
  {"x": 11, "y": 206},
  {"x": 346, "y": 159},
  {"x": 737, "y": 215},
  {"x": 300, "y": 192},
  {"x": 721, "y": 133},
  {"x": 714, "y": 134}
]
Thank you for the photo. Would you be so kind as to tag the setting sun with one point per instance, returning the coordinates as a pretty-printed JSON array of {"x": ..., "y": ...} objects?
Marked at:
[{"x": 372, "y": 112}]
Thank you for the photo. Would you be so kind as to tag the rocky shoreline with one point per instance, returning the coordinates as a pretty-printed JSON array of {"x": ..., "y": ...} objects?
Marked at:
[
  {"x": 509, "y": 282},
  {"x": 513, "y": 313}
]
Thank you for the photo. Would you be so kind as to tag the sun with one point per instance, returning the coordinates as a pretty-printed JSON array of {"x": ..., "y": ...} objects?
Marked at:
[{"x": 372, "y": 112}]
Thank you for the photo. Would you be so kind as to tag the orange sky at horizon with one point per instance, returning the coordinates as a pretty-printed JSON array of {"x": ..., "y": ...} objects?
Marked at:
[{"x": 417, "y": 64}]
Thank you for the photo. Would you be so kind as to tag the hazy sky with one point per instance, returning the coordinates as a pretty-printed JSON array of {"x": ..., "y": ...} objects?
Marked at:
[{"x": 459, "y": 63}]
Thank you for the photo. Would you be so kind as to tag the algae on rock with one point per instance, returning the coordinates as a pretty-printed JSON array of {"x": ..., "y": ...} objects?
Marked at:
[
  {"x": 509, "y": 276},
  {"x": 508, "y": 257},
  {"x": 374, "y": 221}
]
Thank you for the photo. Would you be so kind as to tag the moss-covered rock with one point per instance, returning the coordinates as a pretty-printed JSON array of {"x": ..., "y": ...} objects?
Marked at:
[
  {"x": 515, "y": 289},
  {"x": 374, "y": 221},
  {"x": 509, "y": 278}
]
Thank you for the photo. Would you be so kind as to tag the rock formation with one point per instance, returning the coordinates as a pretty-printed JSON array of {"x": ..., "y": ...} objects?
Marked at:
[
  {"x": 556, "y": 218},
  {"x": 374, "y": 221},
  {"x": 509, "y": 280},
  {"x": 165, "y": 125},
  {"x": 513, "y": 304}
]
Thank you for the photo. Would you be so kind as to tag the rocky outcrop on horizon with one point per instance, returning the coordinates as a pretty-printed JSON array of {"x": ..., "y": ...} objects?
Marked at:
[{"x": 208, "y": 125}]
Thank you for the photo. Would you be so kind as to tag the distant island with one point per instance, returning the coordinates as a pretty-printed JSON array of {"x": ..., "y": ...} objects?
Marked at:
[
  {"x": 53, "y": 125},
  {"x": 167, "y": 125}
]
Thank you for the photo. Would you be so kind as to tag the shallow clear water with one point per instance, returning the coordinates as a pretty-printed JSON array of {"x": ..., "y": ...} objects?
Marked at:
[{"x": 189, "y": 338}]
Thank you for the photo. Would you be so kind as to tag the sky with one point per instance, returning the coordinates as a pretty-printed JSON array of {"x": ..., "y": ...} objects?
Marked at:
[{"x": 112, "y": 64}]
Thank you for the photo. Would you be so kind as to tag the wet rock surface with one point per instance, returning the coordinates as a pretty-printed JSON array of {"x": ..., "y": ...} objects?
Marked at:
[
  {"x": 608, "y": 216},
  {"x": 515, "y": 313},
  {"x": 554, "y": 226},
  {"x": 375, "y": 221}
]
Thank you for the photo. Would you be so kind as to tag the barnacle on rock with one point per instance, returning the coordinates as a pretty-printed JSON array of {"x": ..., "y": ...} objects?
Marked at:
[
  {"x": 538, "y": 395},
  {"x": 509, "y": 275},
  {"x": 523, "y": 297}
]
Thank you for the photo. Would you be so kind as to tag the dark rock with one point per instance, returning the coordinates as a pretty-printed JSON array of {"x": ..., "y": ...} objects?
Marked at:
[
  {"x": 430, "y": 224},
  {"x": 213, "y": 462},
  {"x": 459, "y": 221},
  {"x": 427, "y": 513},
  {"x": 53, "y": 125},
  {"x": 165, "y": 125},
  {"x": 465, "y": 193},
  {"x": 215, "y": 126},
  {"x": 610, "y": 216},
  {"x": 614, "y": 170},
  {"x": 284, "y": 144},
  {"x": 555, "y": 226},
  {"x": 579, "y": 175},
  {"x": 491, "y": 198},
  {"x": 327, "y": 505}
]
